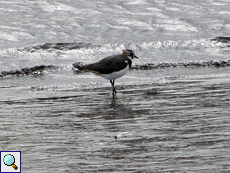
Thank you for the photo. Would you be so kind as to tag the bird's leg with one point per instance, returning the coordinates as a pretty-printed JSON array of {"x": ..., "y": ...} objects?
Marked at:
[{"x": 114, "y": 90}]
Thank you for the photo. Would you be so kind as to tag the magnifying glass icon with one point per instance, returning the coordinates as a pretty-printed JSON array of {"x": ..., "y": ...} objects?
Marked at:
[{"x": 9, "y": 160}]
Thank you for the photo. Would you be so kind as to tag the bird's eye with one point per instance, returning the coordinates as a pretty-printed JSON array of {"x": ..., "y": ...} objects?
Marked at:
[{"x": 131, "y": 54}]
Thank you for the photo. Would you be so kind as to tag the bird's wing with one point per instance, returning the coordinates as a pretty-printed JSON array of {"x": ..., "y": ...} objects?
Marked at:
[{"x": 109, "y": 65}]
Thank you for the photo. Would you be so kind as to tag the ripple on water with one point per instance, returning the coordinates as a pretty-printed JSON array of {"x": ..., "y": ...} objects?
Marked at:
[{"x": 182, "y": 126}]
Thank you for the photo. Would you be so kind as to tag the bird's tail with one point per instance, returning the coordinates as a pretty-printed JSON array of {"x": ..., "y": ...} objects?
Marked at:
[{"x": 78, "y": 65}]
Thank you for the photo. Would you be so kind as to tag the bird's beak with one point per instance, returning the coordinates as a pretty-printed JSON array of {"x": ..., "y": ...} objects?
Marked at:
[{"x": 136, "y": 57}]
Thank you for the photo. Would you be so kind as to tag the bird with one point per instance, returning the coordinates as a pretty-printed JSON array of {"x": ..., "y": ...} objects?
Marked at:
[{"x": 111, "y": 67}]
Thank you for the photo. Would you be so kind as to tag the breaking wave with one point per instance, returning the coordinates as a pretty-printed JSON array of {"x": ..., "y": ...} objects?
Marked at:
[
  {"x": 211, "y": 63},
  {"x": 34, "y": 71},
  {"x": 59, "y": 46},
  {"x": 39, "y": 69}
]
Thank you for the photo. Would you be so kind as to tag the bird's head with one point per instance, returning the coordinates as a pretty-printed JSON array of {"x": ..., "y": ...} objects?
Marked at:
[{"x": 129, "y": 53}]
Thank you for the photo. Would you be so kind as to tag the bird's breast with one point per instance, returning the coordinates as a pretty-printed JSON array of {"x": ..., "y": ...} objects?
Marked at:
[{"x": 115, "y": 74}]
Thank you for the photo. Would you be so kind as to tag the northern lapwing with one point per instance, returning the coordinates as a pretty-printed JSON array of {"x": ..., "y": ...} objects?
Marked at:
[{"x": 112, "y": 67}]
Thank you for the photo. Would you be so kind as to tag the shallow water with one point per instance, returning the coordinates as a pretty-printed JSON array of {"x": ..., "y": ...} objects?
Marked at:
[
  {"x": 171, "y": 112},
  {"x": 180, "y": 125}
]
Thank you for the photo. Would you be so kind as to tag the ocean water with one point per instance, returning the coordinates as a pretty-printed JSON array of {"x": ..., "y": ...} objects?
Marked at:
[{"x": 171, "y": 112}]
